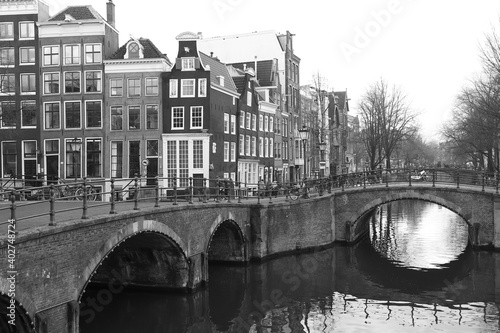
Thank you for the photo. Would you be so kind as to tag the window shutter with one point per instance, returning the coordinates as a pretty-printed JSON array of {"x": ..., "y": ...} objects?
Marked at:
[
  {"x": 197, "y": 63},
  {"x": 178, "y": 63}
]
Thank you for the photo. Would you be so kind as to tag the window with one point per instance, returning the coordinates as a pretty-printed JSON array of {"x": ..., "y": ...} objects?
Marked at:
[
  {"x": 28, "y": 113},
  {"x": 73, "y": 158},
  {"x": 29, "y": 150},
  {"x": 72, "y": 114},
  {"x": 261, "y": 147},
  {"x": 197, "y": 154},
  {"x": 187, "y": 88},
  {"x": 9, "y": 158},
  {"x": 249, "y": 120},
  {"x": 233, "y": 151},
  {"x": 151, "y": 86},
  {"x": 271, "y": 124},
  {"x": 171, "y": 162},
  {"x": 183, "y": 163},
  {"x": 249, "y": 98},
  {"x": 8, "y": 114},
  {"x": 197, "y": 117},
  {"x": 202, "y": 87},
  {"x": 152, "y": 148},
  {"x": 226, "y": 151},
  {"x": 51, "y": 55},
  {"x": 133, "y": 51},
  {"x": 71, "y": 54},
  {"x": 242, "y": 119},
  {"x": 242, "y": 144},
  {"x": 134, "y": 117},
  {"x": 93, "y": 54},
  {"x": 52, "y": 115},
  {"x": 226, "y": 123},
  {"x": 134, "y": 87},
  {"x": 7, "y": 56},
  {"x": 26, "y": 29},
  {"x": 254, "y": 122},
  {"x": 93, "y": 81},
  {"x": 116, "y": 159},
  {"x": 51, "y": 83},
  {"x": 173, "y": 88},
  {"x": 151, "y": 116},
  {"x": 271, "y": 147},
  {"x": 94, "y": 114},
  {"x": 254, "y": 146},
  {"x": 247, "y": 145},
  {"x": 28, "y": 84},
  {"x": 261, "y": 122},
  {"x": 178, "y": 117},
  {"x": 116, "y": 87},
  {"x": 7, "y": 84},
  {"x": 94, "y": 155},
  {"x": 188, "y": 64},
  {"x": 6, "y": 30},
  {"x": 27, "y": 55},
  {"x": 72, "y": 82},
  {"x": 266, "y": 147},
  {"x": 233, "y": 124},
  {"x": 116, "y": 118},
  {"x": 134, "y": 163}
]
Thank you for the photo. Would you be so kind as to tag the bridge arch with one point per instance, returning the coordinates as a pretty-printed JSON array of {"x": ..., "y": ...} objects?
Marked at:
[
  {"x": 226, "y": 241},
  {"x": 355, "y": 226},
  {"x": 127, "y": 232},
  {"x": 24, "y": 307}
]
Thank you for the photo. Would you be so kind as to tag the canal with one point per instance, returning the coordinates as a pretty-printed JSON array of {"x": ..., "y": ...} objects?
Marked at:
[{"x": 413, "y": 272}]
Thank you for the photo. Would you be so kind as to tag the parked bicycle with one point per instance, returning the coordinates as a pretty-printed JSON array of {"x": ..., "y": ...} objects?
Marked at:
[{"x": 299, "y": 190}]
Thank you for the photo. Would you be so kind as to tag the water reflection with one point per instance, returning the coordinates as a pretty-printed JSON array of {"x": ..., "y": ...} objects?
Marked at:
[
  {"x": 348, "y": 289},
  {"x": 418, "y": 234}
]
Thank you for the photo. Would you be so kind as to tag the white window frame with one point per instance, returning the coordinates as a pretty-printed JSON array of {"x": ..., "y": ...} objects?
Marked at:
[
  {"x": 192, "y": 117},
  {"x": 188, "y": 64},
  {"x": 242, "y": 145},
  {"x": 21, "y": 58},
  {"x": 254, "y": 122},
  {"x": 59, "y": 82},
  {"x": 64, "y": 83},
  {"x": 140, "y": 87},
  {"x": 79, "y": 55},
  {"x": 226, "y": 151},
  {"x": 29, "y": 30},
  {"x": 249, "y": 98},
  {"x": 247, "y": 145},
  {"x": 61, "y": 118},
  {"x": 173, "y": 88},
  {"x": 85, "y": 53},
  {"x": 146, "y": 86},
  {"x": 85, "y": 114},
  {"x": 233, "y": 151},
  {"x": 242, "y": 119},
  {"x": 11, "y": 24},
  {"x": 254, "y": 146},
  {"x": 271, "y": 124},
  {"x": 100, "y": 79},
  {"x": 232, "y": 124},
  {"x": 249, "y": 120},
  {"x": 58, "y": 55},
  {"x": 10, "y": 64},
  {"x": 111, "y": 87},
  {"x": 226, "y": 123},
  {"x": 182, "y": 87},
  {"x": 202, "y": 83},
  {"x": 172, "y": 118},
  {"x": 21, "y": 84}
]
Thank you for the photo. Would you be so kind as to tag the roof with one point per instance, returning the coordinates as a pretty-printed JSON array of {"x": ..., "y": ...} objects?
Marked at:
[
  {"x": 218, "y": 69},
  {"x": 342, "y": 96},
  {"x": 150, "y": 50},
  {"x": 264, "y": 70},
  {"x": 78, "y": 13}
]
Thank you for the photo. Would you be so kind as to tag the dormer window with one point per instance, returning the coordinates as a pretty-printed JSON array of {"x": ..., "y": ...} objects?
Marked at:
[
  {"x": 133, "y": 51},
  {"x": 188, "y": 64},
  {"x": 221, "y": 80}
]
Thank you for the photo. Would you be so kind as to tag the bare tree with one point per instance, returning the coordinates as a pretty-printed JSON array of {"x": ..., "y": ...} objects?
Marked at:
[{"x": 387, "y": 120}]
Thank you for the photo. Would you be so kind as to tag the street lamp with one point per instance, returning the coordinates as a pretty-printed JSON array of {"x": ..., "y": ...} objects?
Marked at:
[
  {"x": 75, "y": 147},
  {"x": 322, "y": 148},
  {"x": 304, "y": 136}
]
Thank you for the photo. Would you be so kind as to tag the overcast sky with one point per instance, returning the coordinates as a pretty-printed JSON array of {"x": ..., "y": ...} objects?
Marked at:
[{"x": 428, "y": 48}]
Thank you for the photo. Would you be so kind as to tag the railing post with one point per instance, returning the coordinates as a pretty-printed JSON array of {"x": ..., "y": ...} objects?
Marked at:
[
  {"x": 258, "y": 193},
  {"x": 433, "y": 177},
  {"x": 205, "y": 190},
  {"x": 386, "y": 178},
  {"x": 13, "y": 206},
  {"x": 52, "y": 209},
  {"x": 329, "y": 183},
  {"x": 113, "y": 193},
  {"x": 496, "y": 183},
  {"x": 364, "y": 179},
  {"x": 409, "y": 178},
  {"x": 191, "y": 190},
  {"x": 84, "y": 210},
  {"x": 157, "y": 191},
  {"x": 458, "y": 179},
  {"x": 286, "y": 192},
  {"x": 175, "y": 191},
  {"x": 136, "y": 192},
  {"x": 270, "y": 192},
  {"x": 482, "y": 176},
  {"x": 239, "y": 191}
]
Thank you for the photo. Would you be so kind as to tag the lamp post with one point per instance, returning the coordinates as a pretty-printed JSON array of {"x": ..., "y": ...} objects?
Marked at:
[
  {"x": 304, "y": 136},
  {"x": 74, "y": 144}
]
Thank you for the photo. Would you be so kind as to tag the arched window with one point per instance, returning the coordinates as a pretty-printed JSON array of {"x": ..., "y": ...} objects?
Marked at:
[{"x": 133, "y": 51}]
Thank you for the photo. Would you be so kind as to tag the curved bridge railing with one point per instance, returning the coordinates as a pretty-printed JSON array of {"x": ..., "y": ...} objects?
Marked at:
[{"x": 61, "y": 200}]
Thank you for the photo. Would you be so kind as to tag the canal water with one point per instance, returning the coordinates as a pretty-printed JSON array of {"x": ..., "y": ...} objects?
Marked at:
[{"x": 412, "y": 273}]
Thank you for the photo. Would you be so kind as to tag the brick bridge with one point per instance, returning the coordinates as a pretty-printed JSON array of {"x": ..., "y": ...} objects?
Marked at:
[{"x": 170, "y": 246}]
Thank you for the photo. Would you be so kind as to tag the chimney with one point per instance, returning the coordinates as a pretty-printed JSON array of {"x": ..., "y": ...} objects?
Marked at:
[{"x": 110, "y": 13}]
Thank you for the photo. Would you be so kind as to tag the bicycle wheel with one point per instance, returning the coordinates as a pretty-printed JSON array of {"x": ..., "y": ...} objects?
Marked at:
[
  {"x": 91, "y": 195},
  {"x": 294, "y": 193}
]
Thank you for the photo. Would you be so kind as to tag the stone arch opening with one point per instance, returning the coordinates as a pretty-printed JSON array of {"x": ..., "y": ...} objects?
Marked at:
[
  {"x": 358, "y": 227},
  {"x": 16, "y": 312},
  {"x": 227, "y": 243},
  {"x": 142, "y": 254}
]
